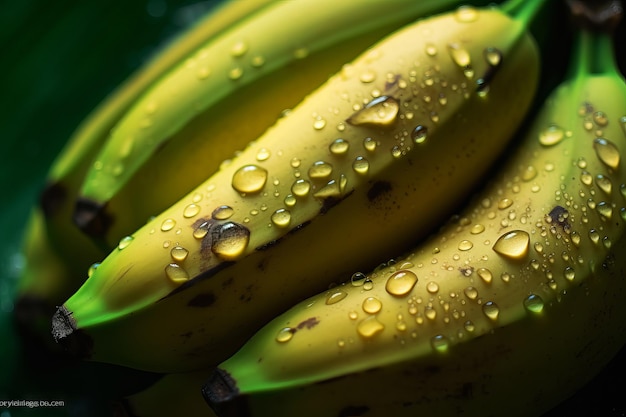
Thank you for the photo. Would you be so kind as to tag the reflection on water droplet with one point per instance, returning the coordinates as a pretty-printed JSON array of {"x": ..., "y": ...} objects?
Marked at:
[
  {"x": 485, "y": 275},
  {"x": 285, "y": 334},
  {"x": 513, "y": 244},
  {"x": 335, "y": 296},
  {"x": 401, "y": 283},
  {"x": 229, "y": 240},
  {"x": 533, "y": 303},
  {"x": 179, "y": 253},
  {"x": 491, "y": 310},
  {"x": 191, "y": 210},
  {"x": 465, "y": 245},
  {"x": 432, "y": 287},
  {"x": 471, "y": 293},
  {"x": 222, "y": 213},
  {"x": 249, "y": 179},
  {"x": 369, "y": 144},
  {"x": 605, "y": 209},
  {"x": 339, "y": 147},
  {"x": 281, "y": 218},
  {"x": 320, "y": 169},
  {"x": 168, "y": 224},
  {"x": 357, "y": 279},
  {"x": 381, "y": 111},
  {"x": 361, "y": 165},
  {"x": 370, "y": 327},
  {"x": 176, "y": 273},
  {"x": 440, "y": 343},
  {"x": 372, "y": 305},
  {"x": 551, "y": 135},
  {"x": 124, "y": 242},
  {"x": 301, "y": 188},
  {"x": 419, "y": 134},
  {"x": 607, "y": 152},
  {"x": 604, "y": 183}
]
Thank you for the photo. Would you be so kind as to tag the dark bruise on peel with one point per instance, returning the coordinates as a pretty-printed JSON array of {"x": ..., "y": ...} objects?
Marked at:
[
  {"x": 91, "y": 217},
  {"x": 559, "y": 216},
  {"x": 378, "y": 189},
  {"x": 202, "y": 300},
  {"x": 52, "y": 198},
  {"x": 308, "y": 323},
  {"x": 353, "y": 411}
]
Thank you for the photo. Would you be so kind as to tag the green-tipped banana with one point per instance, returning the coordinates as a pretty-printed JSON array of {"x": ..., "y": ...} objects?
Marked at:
[
  {"x": 426, "y": 109},
  {"x": 226, "y": 93},
  {"x": 507, "y": 310},
  {"x": 57, "y": 253}
]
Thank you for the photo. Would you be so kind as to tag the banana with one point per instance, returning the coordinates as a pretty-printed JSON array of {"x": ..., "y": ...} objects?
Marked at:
[
  {"x": 507, "y": 310},
  {"x": 312, "y": 197},
  {"x": 178, "y": 132},
  {"x": 57, "y": 253}
]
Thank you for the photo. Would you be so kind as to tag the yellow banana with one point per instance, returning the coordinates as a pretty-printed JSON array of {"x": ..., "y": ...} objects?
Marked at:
[
  {"x": 57, "y": 253},
  {"x": 275, "y": 223},
  {"x": 179, "y": 131},
  {"x": 510, "y": 308}
]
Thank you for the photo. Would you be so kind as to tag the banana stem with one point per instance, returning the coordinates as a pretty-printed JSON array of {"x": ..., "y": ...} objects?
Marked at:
[
  {"x": 593, "y": 54},
  {"x": 523, "y": 11},
  {"x": 604, "y": 55}
]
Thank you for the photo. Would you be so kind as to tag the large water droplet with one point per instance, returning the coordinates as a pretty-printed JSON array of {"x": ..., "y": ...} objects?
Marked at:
[
  {"x": 178, "y": 253},
  {"x": 168, "y": 224},
  {"x": 551, "y": 135},
  {"x": 320, "y": 169},
  {"x": 533, "y": 303},
  {"x": 285, "y": 334},
  {"x": 339, "y": 147},
  {"x": 191, "y": 210},
  {"x": 281, "y": 218},
  {"x": 361, "y": 165},
  {"x": 419, "y": 134},
  {"x": 249, "y": 179},
  {"x": 381, "y": 111},
  {"x": 440, "y": 343},
  {"x": 372, "y": 305},
  {"x": 514, "y": 244},
  {"x": 607, "y": 152},
  {"x": 229, "y": 240},
  {"x": 491, "y": 310},
  {"x": 301, "y": 188},
  {"x": 222, "y": 213},
  {"x": 335, "y": 296},
  {"x": 176, "y": 273},
  {"x": 124, "y": 242},
  {"x": 370, "y": 327},
  {"x": 401, "y": 283}
]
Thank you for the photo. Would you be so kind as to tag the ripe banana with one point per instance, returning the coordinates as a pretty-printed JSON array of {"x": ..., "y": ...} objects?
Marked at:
[
  {"x": 57, "y": 253},
  {"x": 186, "y": 124},
  {"x": 275, "y": 223},
  {"x": 507, "y": 310}
]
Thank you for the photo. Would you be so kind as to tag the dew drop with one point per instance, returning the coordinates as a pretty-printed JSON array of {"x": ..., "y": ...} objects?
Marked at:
[
  {"x": 551, "y": 135},
  {"x": 432, "y": 287},
  {"x": 285, "y": 334},
  {"x": 239, "y": 49},
  {"x": 222, "y": 213},
  {"x": 229, "y": 240},
  {"x": 491, "y": 310},
  {"x": 514, "y": 244},
  {"x": 471, "y": 293},
  {"x": 263, "y": 154},
  {"x": 534, "y": 303},
  {"x": 331, "y": 189},
  {"x": 459, "y": 55},
  {"x": 335, "y": 296},
  {"x": 358, "y": 279},
  {"x": 594, "y": 236},
  {"x": 465, "y": 245},
  {"x": 431, "y": 49},
  {"x": 370, "y": 327},
  {"x": 529, "y": 173},
  {"x": 419, "y": 134},
  {"x": 569, "y": 273},
  {"x": 179, "y": 253},
  {"x": 281, "y": 217},
  {"x": 477, "y": 229},
  {"x": 191, "y": 210},
  {"x": 339, "y": 147},
  {"x": 600, "y": 118},
  {"x": 493, "y": 56},
  {"x": 168, "y": 224},
  {"x": 249, "y": 179},
  {"x": 361, "y": 165},
  {"x": 607, "y": 152},
  {"x": 604, "y": 183},
  {"x": 367, "y": 76},
  {"x": 372, "y": 305},
  {"x": 320, "y": 169},
  {"x": 466, "y": 14},
  {"x": 176, "y": 273},
  {"x": 440, "y": 343},
  {"x": 485, "y": 275},
  {"x": 124, "y": 242},
  {"x": 369, "y": 144},
  {"x": 92, "y": 269},
  {"x": 401, "y": 283},
  {"x": 604, "y": 209},
  {"x": 381, "y": 111},
  {"x": 319, "y": 124},
  {"x": 201, "y": 231}
]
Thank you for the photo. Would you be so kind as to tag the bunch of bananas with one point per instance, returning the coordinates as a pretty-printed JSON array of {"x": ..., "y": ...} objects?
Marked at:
[{"x": 213, "y": 222}]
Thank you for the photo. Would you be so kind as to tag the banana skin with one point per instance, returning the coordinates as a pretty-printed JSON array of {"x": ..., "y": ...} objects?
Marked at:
[
  {"x": 511, "y": 307},
  {"x": 191, "y": 286}
]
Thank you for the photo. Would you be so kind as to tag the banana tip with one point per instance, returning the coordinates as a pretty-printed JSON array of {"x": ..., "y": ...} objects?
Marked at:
[
  {"x": 221, "y": 393},
  {"x": 65, "y": 333}
]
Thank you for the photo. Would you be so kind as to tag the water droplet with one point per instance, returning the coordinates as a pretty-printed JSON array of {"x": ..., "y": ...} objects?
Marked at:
[
  {"x": 419, "y": 134},
  {"x": 176, "y": 273},
  {"x": 191, "y": 210},
  {"x": 320, "y": 169},
  {"x": 370, "y": 327},
  {"x": 432, "y": 287},
  {"x": 600, "y": 118},
  {"x": 168, "y": 224},
  {"x": 124, "y": 242},
  {"x": 604, "y": 183},
  {"x": 485, "y": 275},
  {"x": 465, "y": 245},
  {"x": 179, "y": 253},
  {"x": 367, "y": 76},
  {"x": 372, "y": 305},
  {"x": 369, "y": 144},
  {"x": 551, "y": 135},
  {"x": 466, "y": 14},
  {"x": 319, "y": 123},
  {"x": 222, "y": 213},
  {"x": 331, "y": 189},
  {"x": 281, "y": 218},
  {"x": 339, "y": 147},
  {"x": 202, "y": 230},
  {"x": 239, "y": 49},
  {"x": 533, "y": 303},
  {"x": 285, "y": 334},
  {"x": 529, "y": 173},
  {"x": 401, "y": 283},
  {"x": 257, "y": 61},
  {"x": 569, "y": 273},
  {"x": 357, "y": 279},
  {"x": 235, "y": 73},
  {"x": 594, "y": 236},
  {"x": 491, "y": 310},
  {"x": 229, "y": 240},
  {"x": 431, "y": 49},
  {"x": 203, "y": 73},
  {"x": 493, "y": 56},
  {"x": 381, "y": 111},
  {"x": 513, "y": 244},
  {"x": 607, "y": 152},
  {"x": 586, "y": 178},
  {"x": 249, "y": 179},
  {"x": 361, "y": 165},
  {"x": 440, "y": 343},
  {"x": 605, "y": 209},
  {"x": 471, "y": 293},
  {"x": 263, "y": 154},
  {"x": 459, "y": 55},
  {"x": 335, "y": 296},
  {"x": 301, "y": 188}
]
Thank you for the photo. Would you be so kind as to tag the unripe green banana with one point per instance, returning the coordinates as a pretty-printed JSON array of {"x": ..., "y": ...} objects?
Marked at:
[
  {"x": 276, "y": 223},
  {"x": 57, "y": 253},
  {"x": 510, "y": 308},
  {"x": 225, "y": 94}
]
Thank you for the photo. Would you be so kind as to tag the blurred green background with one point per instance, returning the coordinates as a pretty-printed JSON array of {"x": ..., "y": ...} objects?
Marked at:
[{"x": 59, "y": 59}]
